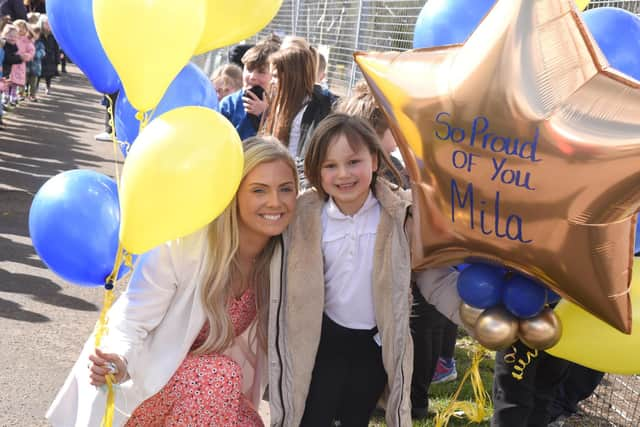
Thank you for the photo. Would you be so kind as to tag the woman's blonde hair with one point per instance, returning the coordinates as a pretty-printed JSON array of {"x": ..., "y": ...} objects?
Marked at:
[
  {"x": 224, "y": 240},
  {"x": 296, "y": 68}
]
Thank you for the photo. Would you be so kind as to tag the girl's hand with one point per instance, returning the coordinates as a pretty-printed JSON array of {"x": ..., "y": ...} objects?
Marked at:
[
  {"x": 252, "y": 104},
  {"x": 101, "y": 364}
]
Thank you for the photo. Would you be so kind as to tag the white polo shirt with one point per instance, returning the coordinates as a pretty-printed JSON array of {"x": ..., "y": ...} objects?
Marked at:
[{"x": 348, "y": 248}]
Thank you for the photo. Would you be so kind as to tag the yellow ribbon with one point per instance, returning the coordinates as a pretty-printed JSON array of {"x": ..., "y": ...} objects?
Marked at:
[
  {"x": 102, "y": 330},
  {"x": 122, "y": 256},
  {"x": 474, "y": 411},
  {"x": 143, "y": 118}
]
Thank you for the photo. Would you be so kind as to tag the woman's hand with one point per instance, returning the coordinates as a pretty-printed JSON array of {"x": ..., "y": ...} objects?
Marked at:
[
  {"x": 252, "y": 104},
  {"x": 101, "y": 364}
]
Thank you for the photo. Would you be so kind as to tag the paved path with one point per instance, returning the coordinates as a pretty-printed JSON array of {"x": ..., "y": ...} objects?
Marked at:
[{"x": 43, "y": 319}]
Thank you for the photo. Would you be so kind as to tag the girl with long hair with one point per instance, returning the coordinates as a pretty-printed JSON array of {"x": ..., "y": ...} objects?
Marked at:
[
  {"x": 297, "y": 104},
  {"x": 187, "y": 339}
]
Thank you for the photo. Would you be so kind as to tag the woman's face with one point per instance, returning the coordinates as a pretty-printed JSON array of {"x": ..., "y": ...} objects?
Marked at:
[{"x": 266, "y": 200}]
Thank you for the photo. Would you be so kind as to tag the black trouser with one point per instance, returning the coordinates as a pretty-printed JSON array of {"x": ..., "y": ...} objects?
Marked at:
[
  {"x": 348, "y": 377},
  {"x": 523, "y": 397},
  {"x": 427, "y": 330},
  {"x": 579, "y": 385},
  {"x": 449, "y": 337}
]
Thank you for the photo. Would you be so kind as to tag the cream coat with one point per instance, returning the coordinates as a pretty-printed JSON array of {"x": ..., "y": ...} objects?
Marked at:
[
  {"x": 297, "y": 303},
  {"x": 153, "y": 324}
]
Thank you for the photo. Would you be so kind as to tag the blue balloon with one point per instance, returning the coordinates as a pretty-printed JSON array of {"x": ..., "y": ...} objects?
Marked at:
[
  {"x": 443, "y": 22},
  {"x": 617, "y": 32},
  {"x": 462, "y": 267},
  {"x": 523, "y": 297},
  {"x": 74, "y": 222},
  {"x": 191, "y": 87},
  {"x": 480, "y": 285},
  {"x": 73, "y": 26},
  {"x": 552, "y": 297}
]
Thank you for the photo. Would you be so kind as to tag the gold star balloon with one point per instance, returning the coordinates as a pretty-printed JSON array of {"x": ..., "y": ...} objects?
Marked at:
[{"x": 524, "y": 149}]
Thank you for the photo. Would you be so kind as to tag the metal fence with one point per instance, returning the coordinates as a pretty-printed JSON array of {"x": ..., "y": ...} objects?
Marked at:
[{"x": 340, "y": 27}]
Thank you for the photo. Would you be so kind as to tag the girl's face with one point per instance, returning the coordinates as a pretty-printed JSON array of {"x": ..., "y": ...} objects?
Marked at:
[
  {"x": 11, "y": 36},
  {"x": 266, "y": 200},
  {"x": 346, "y": 174},
  {"x": 22, "y": 30}
]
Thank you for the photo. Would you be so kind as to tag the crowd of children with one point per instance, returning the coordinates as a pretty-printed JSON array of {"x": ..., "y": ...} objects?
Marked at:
[{"x": 29, "y": 53}]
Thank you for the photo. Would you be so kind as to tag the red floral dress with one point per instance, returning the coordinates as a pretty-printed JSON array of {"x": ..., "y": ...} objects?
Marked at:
[{"x": 205, "y": 390}]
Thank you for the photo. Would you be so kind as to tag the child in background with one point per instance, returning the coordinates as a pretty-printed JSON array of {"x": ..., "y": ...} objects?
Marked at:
[
  {"x": 227, "y": 79},
  {"x": 34, "y": 67},
  {"x": 244, "y": 108},
  {"x": 11, "y": 59},
  {"x": 26, "y": 51},
  {"x": 342, "y": 332},
  {"x": 52, "y": 56},
  {"x": 3, "y": 84}
]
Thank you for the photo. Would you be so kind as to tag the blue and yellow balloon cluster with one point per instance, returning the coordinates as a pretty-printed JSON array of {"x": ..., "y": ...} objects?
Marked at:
[{"x": 186, "y": 162}]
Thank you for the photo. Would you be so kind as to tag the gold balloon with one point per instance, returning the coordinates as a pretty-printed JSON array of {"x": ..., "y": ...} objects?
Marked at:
[
  {"x": 469, "y": 315},
  {"x": 523, "y": 148},
  {"x": 542, "y": 331},
  {"x": 496, "y": 328}
]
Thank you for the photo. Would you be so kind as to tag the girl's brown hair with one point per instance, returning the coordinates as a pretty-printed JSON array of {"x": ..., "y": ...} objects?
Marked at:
[
  {"x": 296, "y": 69},
  {"x": 358, "y": 132}
]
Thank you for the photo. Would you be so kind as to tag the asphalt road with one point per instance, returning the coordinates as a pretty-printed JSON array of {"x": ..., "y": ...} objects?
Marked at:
[{"x": 43, "y": 320}]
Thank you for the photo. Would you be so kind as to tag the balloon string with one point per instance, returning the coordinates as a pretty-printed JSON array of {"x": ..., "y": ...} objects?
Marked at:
[
  {"x": 112, "y": 126},
  {"x": 102, "y": 329},
  {"x": 474, "y": 411},
  {"x": 143, "y": 118}
]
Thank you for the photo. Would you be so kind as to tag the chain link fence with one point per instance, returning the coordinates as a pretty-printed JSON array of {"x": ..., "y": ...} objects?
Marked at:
[{"x": 338, "y": 28}]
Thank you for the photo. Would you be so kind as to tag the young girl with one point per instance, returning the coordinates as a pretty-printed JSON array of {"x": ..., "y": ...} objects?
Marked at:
[
  {"x": 298, "y": 104},
  {"x": 26, "y": 51},
  {"x": 340, "y": 329},
  {"x": 227, "y": 79},
  {"x": 52, "y": 55},
  {"x": 34, "y": 67},
  {"x": 187, "y": 339},
  {"x": 11, "y": 59}
]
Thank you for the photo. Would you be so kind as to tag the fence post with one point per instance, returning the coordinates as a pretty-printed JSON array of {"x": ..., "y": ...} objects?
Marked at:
[
  {"x": 295, "y": 17},
  {"x": 352, "y": 78}
]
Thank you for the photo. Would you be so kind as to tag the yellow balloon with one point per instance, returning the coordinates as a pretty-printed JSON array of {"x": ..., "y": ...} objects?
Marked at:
[
  {"x": 148, "y": 42},
  {"x": 582, "y": 4},
  {"x": 590, "y": 342},
  {"x": 182, "y": 171},
  {"x": 230, "y": 21}
]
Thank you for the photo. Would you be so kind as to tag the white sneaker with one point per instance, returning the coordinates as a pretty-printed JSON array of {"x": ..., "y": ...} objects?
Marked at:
[{"x": 103, "y": 137}]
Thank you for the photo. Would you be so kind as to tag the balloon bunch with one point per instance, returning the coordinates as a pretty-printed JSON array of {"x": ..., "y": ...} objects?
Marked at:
[
  {"x": 186, "y": 162},
  {"x": 501, "y": 306}
]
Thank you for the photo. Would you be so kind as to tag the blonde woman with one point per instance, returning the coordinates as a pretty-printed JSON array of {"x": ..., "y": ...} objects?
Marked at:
[{"x": 187, "y": 339}]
